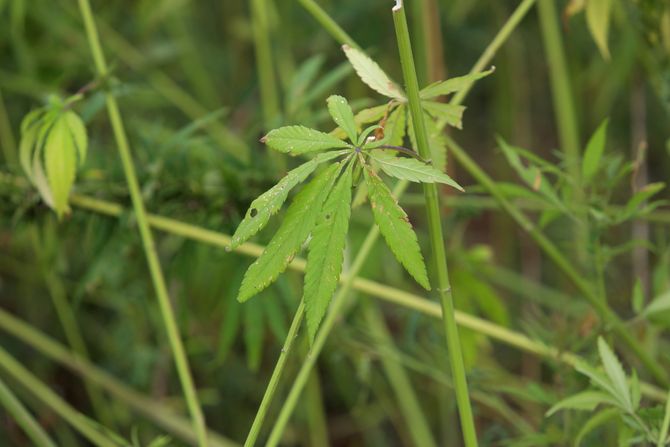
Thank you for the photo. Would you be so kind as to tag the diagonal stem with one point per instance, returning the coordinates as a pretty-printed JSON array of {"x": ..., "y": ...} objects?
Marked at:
[
  {"x": 156, "y": 272},
  {"x": 435, "y": 231},
  {"x": 23, "y": 418}
]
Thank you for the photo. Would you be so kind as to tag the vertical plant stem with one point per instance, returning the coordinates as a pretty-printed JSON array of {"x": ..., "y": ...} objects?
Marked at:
[
  {"x": 435, "y": 231},
  {"x": 276, "y": 375},
  {"x": 42, "y": 393},
  {"x": 609, "y": 317},
  {"x": 23, "y": 417},
  {"x": 408, "y": 402},
  {"x": 167, "y": 313},
  {"x": 328, "y": 23}
]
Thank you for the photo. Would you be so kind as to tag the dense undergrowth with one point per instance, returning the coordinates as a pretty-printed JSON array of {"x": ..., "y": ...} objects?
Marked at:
[{"x": 138, "y": 138}]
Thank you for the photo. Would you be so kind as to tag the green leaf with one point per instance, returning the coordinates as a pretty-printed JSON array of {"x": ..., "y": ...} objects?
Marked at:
[
  {"x": 326, "y": 252},
  {"x": 597, "y": 378},
  {"x": 339, "y": 109},
  {"x": 29, "y": 131},
  {"x": 598, "y": 20},
  {"x": 453, "y": 85},
  {"x": 296, "y": 226},
  {"x": 372, "y": 75},
  {"x": 615, "y": 372},
  {"x": 412, "y": 170},
  {"x": 594, "y": 152},
  {"x": 60, "y": 159},
  {"x": 445, "y": 113},
  {"x": 78, "y": 134},
  {"x": 296, "y": 140},
  {"x": 659, "y": 304},
  {"x": 595, "y": 421},
  {"x": 395, "y": 227},
  {"x": 584, "y": 401},
  {"x": 269, "y": 202},
  {"x": 370, "y": 115}
]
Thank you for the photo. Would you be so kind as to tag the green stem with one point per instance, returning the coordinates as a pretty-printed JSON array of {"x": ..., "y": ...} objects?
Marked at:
[
  {"x": 435, "y": 231},
  {"x": 167, "y": 313},
  {"x": 149, "y": 408},
  {"x": 23, "y": 417},
  {"x": 600, "y": 306},
  {"x": 50, "y": 399},
  {"x": 408, "y": 403},
  {"x": 276, "y": 375},
  {"x": 328, "y": 23}
]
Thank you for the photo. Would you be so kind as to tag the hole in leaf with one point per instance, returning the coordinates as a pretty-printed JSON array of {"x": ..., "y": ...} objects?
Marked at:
[{"x": 253, "y": 212}]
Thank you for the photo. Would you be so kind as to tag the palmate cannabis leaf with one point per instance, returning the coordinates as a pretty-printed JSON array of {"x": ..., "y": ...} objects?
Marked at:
[
  {"x": 53, "y": 145},
  {"x": 323, "y": 207},
  {"x": 437, "y": 115}
]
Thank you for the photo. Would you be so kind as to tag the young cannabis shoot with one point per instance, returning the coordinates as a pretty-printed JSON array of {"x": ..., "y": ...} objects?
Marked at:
[{"x": 322, "y": 208}]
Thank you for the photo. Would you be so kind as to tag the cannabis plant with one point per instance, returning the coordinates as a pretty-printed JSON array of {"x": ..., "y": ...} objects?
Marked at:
[{"x": 322, "y": 208}]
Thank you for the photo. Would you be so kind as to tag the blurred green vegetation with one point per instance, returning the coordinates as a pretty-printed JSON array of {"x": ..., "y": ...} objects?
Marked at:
[{"x": 197, "y": 91}]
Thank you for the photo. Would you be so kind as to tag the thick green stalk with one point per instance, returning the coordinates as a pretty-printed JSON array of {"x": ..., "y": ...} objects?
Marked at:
[
  {"x": 608, "y": 316},
  {"x": 167, "y": 313},
  {"x": 141, "y": 405},
  {"x": 276, "y": 375},
  {"x": 409, "y": 405},
  {"x": 23, "y": 418},
  {"x": 443, "y": 285},
  {"x": 50, "y": 399},
  {"x": 328, "y": 23}
]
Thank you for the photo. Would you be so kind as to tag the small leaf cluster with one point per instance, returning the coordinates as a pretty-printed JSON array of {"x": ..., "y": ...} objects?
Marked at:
[
  {"x": 600, "y": 172},
  {"x": 617, "y": 396},
  {"x": 320, "y": 212},
  {"x": 396, "y": 114},
  {"x": 53, "y": 146}
]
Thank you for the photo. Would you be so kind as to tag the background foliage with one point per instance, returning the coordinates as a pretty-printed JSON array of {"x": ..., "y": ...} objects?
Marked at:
[{"x": 200, "y": 82}]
